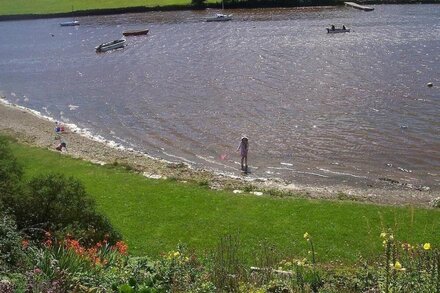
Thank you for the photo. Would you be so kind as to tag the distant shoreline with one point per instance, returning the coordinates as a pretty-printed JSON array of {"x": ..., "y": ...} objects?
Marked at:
[{"x": 240, "y": 5}]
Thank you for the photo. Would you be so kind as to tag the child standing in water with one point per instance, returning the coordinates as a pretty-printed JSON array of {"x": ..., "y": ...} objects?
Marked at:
[{"x": 243, "y": 148}]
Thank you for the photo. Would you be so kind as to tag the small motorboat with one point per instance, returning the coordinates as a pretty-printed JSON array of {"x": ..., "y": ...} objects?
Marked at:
[
  {"x": 70, "y": 23},
  {"x": 116, "y": 44},
  {"x": 140, "y": 32},
  {"x": 334, "y": 30},
  {"x": 220, "y": 17}
]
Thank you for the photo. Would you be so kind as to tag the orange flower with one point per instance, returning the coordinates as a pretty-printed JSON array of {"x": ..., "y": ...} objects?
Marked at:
[
  {"x": 75, "y": 246},
  {"x": 121, "y": 247}
]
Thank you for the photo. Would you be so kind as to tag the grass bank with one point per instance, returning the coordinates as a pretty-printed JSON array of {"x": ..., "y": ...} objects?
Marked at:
[
  {"x": 8, "y": 7},
  {"x": 155, "y": 215}
]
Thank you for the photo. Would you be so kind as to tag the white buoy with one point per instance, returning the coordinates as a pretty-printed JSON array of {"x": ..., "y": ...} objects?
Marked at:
[{"x": 429, "y": 84}]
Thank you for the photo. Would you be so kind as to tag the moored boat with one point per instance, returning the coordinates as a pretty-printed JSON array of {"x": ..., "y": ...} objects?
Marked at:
[
  {"x": 136, "y": 32},
  {"x": 334, "y": 30},
  {"x": 70, "y": 23},
  {"x": 220, "y": 17},
  {"x": 116, "y": 44}
]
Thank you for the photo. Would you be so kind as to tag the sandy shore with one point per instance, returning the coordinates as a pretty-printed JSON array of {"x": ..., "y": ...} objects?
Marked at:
[{"x": 30, "y": 128}]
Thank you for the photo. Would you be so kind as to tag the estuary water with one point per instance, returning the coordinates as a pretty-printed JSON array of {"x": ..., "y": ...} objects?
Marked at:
[{"x": 318, "y": 108}]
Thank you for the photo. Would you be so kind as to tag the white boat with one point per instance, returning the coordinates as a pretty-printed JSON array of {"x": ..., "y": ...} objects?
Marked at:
[
  {"x": 334, "y": 30},
  {"x": 220, "y": 17},
  {"x": 116, "y": 44},
  {"x": 70, "y": 23}
]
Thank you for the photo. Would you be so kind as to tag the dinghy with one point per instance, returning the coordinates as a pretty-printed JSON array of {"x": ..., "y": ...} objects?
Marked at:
[{"x": 116, "y": 44}]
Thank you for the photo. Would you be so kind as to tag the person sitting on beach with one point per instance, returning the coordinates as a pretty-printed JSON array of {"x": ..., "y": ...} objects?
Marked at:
[
  {"x": 61, "y": 146},
  {"x": 333, "y": 27},
  {"x": 243, "y": 148},
  {"x": 343, "y": 27}
]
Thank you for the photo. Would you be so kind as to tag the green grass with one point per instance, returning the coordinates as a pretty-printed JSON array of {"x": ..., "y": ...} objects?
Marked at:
[
  {"x": 12, "y": 7},
  {"x": 155, "y": 215}
]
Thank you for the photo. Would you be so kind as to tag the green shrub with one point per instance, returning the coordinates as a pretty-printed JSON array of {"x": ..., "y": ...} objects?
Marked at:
[
  {"x": 11, "y": 253},
  {"x": 61, "y": 205}
]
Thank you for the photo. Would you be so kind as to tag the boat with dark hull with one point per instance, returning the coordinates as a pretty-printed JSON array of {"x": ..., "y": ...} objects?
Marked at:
[
  {"x": 141, "y": 32},
  {"x": 334, "y": 30}
]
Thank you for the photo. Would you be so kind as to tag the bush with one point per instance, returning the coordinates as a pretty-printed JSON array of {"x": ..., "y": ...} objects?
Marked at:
[
  {"x": 61, "y": 205},
  {"x": 198, "y": 3},
  {"x": 10, "y": 244}
]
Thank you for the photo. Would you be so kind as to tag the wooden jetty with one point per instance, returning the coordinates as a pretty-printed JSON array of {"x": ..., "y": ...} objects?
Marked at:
[{"x": 358, "y": 6}]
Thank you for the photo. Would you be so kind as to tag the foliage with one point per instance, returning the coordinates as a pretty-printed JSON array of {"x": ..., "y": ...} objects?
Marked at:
[
  {"x": 48, "y": 202},
  {"x": 11, "y": 253},
  {"x": 198, "y": 3},
  {"x": 409, "y": 268},
  {"x": 57, "y": 203},
  {"x": 66, "y": 264}
]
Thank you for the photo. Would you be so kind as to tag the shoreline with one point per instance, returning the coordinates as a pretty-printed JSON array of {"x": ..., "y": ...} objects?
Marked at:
[
  {"x": 238, "y": 5},
  {"x": 32, "y": 128}
]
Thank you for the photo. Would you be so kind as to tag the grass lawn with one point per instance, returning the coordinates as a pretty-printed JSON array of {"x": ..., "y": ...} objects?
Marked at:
[
  {"x": 10, "y": 7},
  {"x": 155, "y": 215}
]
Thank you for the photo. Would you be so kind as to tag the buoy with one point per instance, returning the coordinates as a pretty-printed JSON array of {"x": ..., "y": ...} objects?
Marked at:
[{"x": 429, "y": 84}]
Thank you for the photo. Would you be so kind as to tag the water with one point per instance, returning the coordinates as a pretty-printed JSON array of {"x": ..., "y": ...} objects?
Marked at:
[{"x": 318, "y": 109}]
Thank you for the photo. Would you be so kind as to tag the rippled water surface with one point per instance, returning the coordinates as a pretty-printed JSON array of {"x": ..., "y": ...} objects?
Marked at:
[{"x": 317, "y": 108}]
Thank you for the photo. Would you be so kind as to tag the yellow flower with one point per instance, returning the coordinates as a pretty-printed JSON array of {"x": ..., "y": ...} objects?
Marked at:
[
  {"x": 299, "y": 263},
  {"x": 398, "y": 266},
  {"x": 383, "y": 235},
  {"x": 176, "y": 254},
  {"x": 427, "y": 246},
  {"x": 391, "y": 237},
  {"x": 306, "y": 236}
]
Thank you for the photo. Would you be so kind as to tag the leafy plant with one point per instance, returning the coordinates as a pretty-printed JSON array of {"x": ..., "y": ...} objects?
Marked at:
[
  {"x": 58, "y": 203},
  {"x": 10, "y": 244}
]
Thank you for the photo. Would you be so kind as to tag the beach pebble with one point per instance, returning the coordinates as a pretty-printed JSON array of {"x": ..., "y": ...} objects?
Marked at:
[
  {"x": 97, "y": 162},
  {"x": 237, "y": 191},
  {"x": 429, "y": 84},
  {"x": 153, "y": 176},
  {"x": 404, "y": 170},
  {"x": 435, "y": 202},
  {"x": 423, "y": 188}
]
